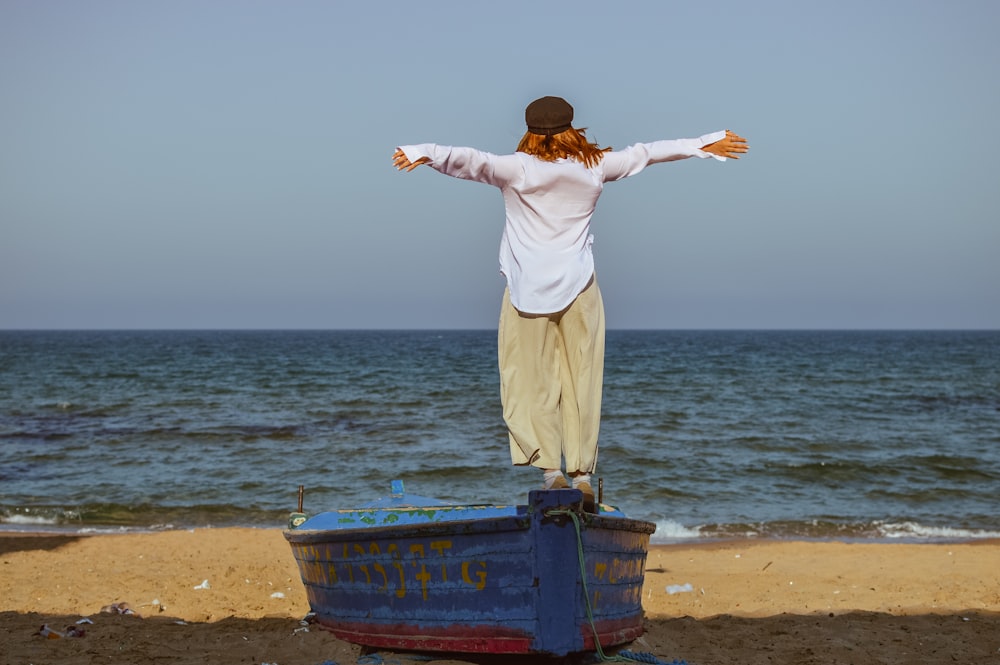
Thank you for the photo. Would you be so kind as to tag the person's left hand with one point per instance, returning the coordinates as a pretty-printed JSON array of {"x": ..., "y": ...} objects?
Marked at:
[
  {"x": 732, "y": 146},
  {"x": 403, "y": 163}
]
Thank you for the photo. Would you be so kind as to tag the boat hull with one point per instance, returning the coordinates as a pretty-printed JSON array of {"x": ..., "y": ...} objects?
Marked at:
[{"x": 508, "y": 583}]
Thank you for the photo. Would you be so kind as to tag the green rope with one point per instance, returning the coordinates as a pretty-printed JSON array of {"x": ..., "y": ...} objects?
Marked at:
[{"x": 586, "y": 595}]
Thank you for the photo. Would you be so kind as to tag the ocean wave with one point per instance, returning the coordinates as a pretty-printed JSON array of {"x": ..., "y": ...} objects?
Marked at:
[
  {"x": 669, "y": 531},
  {"x": 142, "y": 516},
  {"x": 821, "y": 530},
  {"x": 915, "y": 531},
  {"x": 33, "y": 517}
]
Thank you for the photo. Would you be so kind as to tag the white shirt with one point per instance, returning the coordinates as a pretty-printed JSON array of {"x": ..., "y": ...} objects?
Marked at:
[{"x": 545, "y": 251}]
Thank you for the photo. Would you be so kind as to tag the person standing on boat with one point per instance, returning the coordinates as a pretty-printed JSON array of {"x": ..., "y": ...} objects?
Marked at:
[{"x": 551, "y": 333}]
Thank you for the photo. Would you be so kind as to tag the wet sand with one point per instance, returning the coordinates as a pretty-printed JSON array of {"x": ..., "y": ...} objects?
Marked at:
[{"x": 234, "y": 596}]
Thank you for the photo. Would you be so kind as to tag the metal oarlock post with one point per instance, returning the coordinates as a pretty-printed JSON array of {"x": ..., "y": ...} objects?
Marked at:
[{"x": 296, "y": 519}]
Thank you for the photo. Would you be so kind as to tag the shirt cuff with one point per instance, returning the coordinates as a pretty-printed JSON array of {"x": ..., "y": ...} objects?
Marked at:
[
  {"x": 711, "y": 138},
  {"x": 415, "y": 152}
]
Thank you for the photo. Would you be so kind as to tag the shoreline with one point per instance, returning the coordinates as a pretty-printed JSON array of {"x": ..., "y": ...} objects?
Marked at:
[
  {"x": 238, "y": 596},
  {"x": 10, "y": 530}
]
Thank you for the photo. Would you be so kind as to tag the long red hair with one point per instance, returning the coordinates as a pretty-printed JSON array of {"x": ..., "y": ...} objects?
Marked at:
[{"x": 569, "y": 144}]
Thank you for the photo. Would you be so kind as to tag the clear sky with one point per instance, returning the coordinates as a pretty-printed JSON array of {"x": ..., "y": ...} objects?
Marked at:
[{"x": 227, "y": 164}]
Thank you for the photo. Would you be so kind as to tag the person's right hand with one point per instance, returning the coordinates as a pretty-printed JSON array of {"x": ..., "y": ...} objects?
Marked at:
[{"x": 732, "y": 146}]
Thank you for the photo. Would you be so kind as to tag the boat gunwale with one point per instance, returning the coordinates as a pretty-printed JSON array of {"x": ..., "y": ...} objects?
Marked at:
[
  {"x": 470, "y": 526},
  {"x": 519, "y": 522}
]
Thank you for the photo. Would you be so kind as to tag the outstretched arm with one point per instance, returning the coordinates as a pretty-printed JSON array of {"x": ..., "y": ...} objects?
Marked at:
[
  {"x": 459, "y": 162},
  {"x": 732, "y": 146},
  {"x": 402, "y": 162}
]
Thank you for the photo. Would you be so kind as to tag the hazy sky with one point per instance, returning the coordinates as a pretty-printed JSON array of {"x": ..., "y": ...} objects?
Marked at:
[{"x": 226, "y": 164}]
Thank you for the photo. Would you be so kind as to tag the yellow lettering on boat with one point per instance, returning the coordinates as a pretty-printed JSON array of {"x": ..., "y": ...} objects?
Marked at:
[
  {"x": 366, "y": 565},
  {"x": 385, "y": 578},
  {"x": 481, "y": 583},
  {"x": 393, "y": 550},
  {"x": 401, "y": 591},
  {"x": 424, "y": 577},
  {"x": 439, "y": 546}
]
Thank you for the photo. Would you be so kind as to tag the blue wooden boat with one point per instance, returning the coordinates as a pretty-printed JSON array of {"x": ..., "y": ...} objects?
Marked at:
[{"x": 413, "y": 573}]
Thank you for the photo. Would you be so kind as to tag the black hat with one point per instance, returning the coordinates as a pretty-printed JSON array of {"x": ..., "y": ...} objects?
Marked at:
[{"x": 548, "y": 116}]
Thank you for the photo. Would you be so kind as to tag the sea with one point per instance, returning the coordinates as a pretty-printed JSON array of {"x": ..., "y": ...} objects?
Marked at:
[{"x": 827, "y": 435}]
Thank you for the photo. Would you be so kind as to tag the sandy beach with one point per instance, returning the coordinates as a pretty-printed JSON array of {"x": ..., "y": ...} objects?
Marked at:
[{"x": 745, "y": 602}]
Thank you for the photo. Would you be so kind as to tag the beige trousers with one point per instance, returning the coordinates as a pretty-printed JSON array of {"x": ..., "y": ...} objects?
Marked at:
[{"x": 551, "y": 377}]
